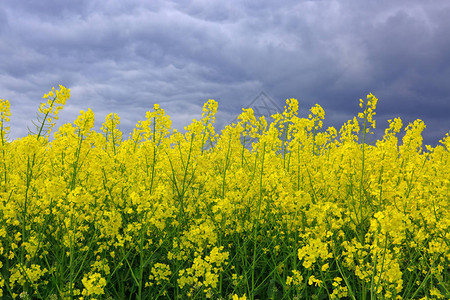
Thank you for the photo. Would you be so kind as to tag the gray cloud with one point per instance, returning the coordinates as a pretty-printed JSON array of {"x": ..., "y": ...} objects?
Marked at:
[{"x": 123, "y": 57}]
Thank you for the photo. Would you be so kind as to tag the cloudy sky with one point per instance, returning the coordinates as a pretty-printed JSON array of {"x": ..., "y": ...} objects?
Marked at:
[{"x": 124, "y": 56}]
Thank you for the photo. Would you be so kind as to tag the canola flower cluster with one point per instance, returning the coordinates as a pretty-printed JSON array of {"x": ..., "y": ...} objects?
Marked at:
[{"x": 301, "y": 213}]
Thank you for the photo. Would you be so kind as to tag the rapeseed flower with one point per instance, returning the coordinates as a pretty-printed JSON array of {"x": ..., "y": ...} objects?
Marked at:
[{"x": 289, "y": 207}]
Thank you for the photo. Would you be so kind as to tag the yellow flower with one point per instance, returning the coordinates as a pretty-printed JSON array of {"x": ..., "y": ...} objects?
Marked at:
[
  {"x": 236, "y": 297},
  {"x": 313, "y": 280},
  {"x": 93, "y": 284}
]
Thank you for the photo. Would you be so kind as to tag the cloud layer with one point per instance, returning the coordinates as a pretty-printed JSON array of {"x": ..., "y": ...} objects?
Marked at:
[{"x": 123, "y": 57}]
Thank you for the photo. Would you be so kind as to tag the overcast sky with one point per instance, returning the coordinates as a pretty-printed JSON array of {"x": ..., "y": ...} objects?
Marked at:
[{"x": 124, "y": 56}]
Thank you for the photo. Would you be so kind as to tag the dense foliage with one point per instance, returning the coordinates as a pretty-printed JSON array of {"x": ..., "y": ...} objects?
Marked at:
[{"x": 298, "y": 213}]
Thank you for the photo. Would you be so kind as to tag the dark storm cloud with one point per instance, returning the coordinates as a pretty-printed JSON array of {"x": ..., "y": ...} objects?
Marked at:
[{"x": 124, "y": 56}]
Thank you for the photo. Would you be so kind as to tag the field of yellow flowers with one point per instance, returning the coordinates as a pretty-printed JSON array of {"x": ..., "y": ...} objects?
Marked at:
[{"x": 299, "y": 213}]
